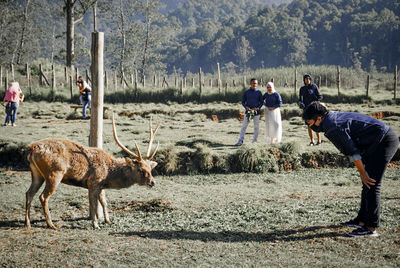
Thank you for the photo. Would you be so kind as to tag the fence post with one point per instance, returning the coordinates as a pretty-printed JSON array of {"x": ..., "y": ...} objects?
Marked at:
[
  {"x": 136, "y": 82},
  {"x": 65, "y": 74},
  {"x": 71, "y": 87},
  {"x": 367, "y": 88},
  {"x": 144, "y": 81},
  {"x": 192, "y": 82},
  {"x": 295, "y": 80},
  {"x": 219, "y": 78},
  {"x": 200, "y": 83},
  {"x": 12, "y": 71},
  {"x": 106, "y": 80},
  {"x": 115, "y": 81},
  {"x": 53, "y": 81},
  {"x": 338, "y": 80},
  {"x": 1, "y": 76},
  {"x": 6, "y": 81},
  {"x": 76, "y": 73},
  {"x": 40, "y": 75},
  {"x": 395, "y": 82},
  {"x": 28, "y": 78}
]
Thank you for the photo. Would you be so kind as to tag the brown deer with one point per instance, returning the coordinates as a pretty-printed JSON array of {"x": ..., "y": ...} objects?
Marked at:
[{"x": 56, "y": 161}]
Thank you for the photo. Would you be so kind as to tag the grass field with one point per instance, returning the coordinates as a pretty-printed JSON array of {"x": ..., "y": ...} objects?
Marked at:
[
  {"x": 257, "y": 220},
  {"x": 244, "y": 219}
]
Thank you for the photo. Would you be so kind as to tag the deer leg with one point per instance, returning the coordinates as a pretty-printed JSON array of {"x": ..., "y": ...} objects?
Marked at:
[
  {"x": 37, "y": 181},
  {"x": 52, "y": 182},
  {"x": 103, "y": 202},
  {"x": 93, "y": 203}
]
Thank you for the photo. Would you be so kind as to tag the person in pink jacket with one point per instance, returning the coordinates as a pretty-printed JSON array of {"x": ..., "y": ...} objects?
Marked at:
[{"x": 13, "y": 97}]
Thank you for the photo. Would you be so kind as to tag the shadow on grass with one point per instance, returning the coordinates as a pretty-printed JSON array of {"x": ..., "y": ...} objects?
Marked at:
[
  {"x": 39, "y": 223},
  {"x": 233, "y": 237}
]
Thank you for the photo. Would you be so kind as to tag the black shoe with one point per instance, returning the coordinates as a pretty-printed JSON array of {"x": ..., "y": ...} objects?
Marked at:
[
  {"x": 311, "y": 144},
  {"x": 318, "y": 143},
  {"x": 353, "y": 223},
  {"x": 363, "y": 231}
]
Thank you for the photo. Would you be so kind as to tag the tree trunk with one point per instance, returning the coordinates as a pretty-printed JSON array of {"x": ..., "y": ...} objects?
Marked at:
[
  {"x": 23, "y": 32},
  {"x": 69, "y": 7},
  {"x": 146, "y": 42},
  {"x": 123, "y": 36}
]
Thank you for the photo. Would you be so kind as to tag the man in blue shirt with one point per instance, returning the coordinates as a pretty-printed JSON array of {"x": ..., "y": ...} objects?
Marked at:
[
  {"x": 309, "y": 93},
  {"x": 370, "y": 144},
  {"x": 252, "y": 101}
]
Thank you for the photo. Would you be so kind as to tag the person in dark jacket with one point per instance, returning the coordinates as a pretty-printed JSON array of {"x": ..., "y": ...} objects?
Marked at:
[
  {"x": 309, "y": 93},
  {"x": 252, "y": 101},
  {"x": 370, "y": 144}
]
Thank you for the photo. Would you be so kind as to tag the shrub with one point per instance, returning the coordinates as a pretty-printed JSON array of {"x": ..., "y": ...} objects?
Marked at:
[
  {"x": 167, "y": 160},
  {"x": 252, "y": 158}
]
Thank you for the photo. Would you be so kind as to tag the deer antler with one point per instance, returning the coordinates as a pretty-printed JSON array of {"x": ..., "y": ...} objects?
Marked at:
[
  {"x": 152, "y": 135},
  {"x": 137, "y": 156}
]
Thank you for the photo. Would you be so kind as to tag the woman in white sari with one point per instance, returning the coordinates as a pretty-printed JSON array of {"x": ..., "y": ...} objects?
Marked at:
[{"x": 273, "y": 121}]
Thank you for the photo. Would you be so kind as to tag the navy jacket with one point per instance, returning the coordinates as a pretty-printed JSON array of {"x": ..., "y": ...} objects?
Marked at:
[
  {"x": 252, "y": 98},
  {"x": 272, "y": 100},
  {"x": 354, "y": 134},
  {"x": 309, "y": 94}
]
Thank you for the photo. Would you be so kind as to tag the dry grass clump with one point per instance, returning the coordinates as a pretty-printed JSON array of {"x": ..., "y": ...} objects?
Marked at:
[
  {"x": 322, "y": 159},
  {"x": 168, "y": 161},
  {"x": 252, "y": 158}
]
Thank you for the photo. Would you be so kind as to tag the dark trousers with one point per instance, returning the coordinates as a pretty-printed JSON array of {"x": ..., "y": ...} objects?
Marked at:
[{"x": 375, "y": 164}]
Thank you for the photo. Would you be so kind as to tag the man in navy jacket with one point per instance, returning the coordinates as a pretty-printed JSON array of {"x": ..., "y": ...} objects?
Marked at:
[
  {"x": 370, "y": 144},
  {"x": 309, "y": 93},
  {"x": 252, "y": 101}
]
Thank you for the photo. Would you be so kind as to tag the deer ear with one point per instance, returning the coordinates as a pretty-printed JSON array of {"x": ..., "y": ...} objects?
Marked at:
[{"x": 153, "y": 164}]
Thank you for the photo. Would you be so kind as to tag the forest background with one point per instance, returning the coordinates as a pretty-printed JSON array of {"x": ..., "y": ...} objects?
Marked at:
[{"x": 167, "y": 37}]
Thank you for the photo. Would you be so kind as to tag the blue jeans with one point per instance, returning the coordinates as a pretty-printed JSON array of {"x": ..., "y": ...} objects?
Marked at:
[
  {"x": 85, "y": 104},
  {"x": 11, "y": 112}
]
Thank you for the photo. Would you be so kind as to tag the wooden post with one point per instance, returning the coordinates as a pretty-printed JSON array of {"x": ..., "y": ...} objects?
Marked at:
[
  {"x": 295, "y": 80},
  {"x": 115, "y": 81},
  {"x": 395, "y": 82},
  {"x": 181, "y": 88},
  {"x": 65, "y": 74},
  {"x": 367, "y": 87},
  {"x": 210, "y": 82},
  {"x": 144, "y": 81},
  {"x": 200, "y": 83},
  {"x": 136, "y": 80},
  {"x": 97, "y": 68},
  {"x": 53, "y": 81},
  {"x": 71, "y": 87},
  {"x": 28, "y": 78},
  {"x": 192, "y": 82},
  {"x": 6, "y": 81},
  {"x": 1, "y": 77},
  {"x": 226, "y": 88},
  {"x": 338, "y": 80},
  {"x": 154, "y": 80},
  {"x": 319, "y": 82},
  {"x": 219, "y": 78},
  {"x": 76, "y": 73},
  {"x": 40, "y": 75},
  {"x": 106, "y": 80},
  {"x": 12, "y": 72},
  {"x": 176, "y": 81},
  {"x": 234, "y": 82}
]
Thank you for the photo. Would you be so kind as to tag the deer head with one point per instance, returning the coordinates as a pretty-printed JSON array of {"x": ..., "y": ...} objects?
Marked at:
[{"x": 140, "y": 166}]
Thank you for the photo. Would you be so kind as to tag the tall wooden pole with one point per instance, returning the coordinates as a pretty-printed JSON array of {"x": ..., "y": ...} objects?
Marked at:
[
  {"x": 367, "y": 87},
  {"x": 53, "y": 81},
  {"x": 97, "y": 69}
]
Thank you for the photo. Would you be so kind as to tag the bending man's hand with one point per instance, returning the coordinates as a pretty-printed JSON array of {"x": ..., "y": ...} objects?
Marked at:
[{"x": 366, "y": 180}]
